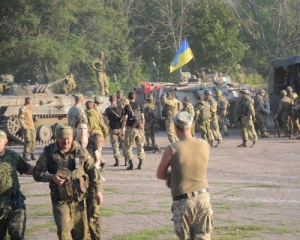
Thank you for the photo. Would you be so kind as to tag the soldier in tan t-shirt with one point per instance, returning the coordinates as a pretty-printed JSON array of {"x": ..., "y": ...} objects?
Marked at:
[
  {"x": 27, "y": 124},
  {"x": 188, "y": 159}
]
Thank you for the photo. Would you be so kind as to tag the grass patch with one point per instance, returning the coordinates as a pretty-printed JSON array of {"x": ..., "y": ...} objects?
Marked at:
[
  {"x": 141, "y": 212},
  {"x": 44, "y": 209},
  {"x": 31, "y": 231},
  {"x": 246, "y": 205},
  {"x": 220, "y": 207},
  {"x": 23, "y": 183},
  {"x": 38, "y": 195},
  {"x": 108, "y": 211},
  {"x": 134, "y": 201},
  {"x": 147, "y": 234},
  {"x": 111, "y": 190}
]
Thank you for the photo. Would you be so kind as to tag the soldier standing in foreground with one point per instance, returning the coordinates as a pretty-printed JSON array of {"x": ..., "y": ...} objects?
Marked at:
[
  {"x": 133, "y": 118},
  {"x": 188, "y": 107},
  {"x": 203, "y": 115},
  {"x": 245, "y": 117},
  {"x": 214, "y": 126},
  {"x": 295, "y": 120},
  {"x": 285, "y": 107},
  {"x": 113, "y": 119},
  {"x": 99, "y": 66},
  {"x": 97, "y": 102},
  {"x": 76, "y": 112},
  {"x": 29, "y": 133},
  {"x": 169, "y": 112},
  {"x": 261, "y": 113},
  {"x": 150, "y": 118},
  {"x": 12, "y": 206},
  {"x": 58, "y": 162},
  {"x": 188, "y": 159},
  {"x": 222, "y": 111}
]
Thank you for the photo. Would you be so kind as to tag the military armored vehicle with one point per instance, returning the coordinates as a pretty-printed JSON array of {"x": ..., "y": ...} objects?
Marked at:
[
  {"x": 191, "y": 88},
  {"x": 49, "y": 109},
  {"x": 283, "y": 72}
]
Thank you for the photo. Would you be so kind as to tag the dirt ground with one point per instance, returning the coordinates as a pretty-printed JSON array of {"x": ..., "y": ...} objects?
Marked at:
[{"x": 254, "y": 193}]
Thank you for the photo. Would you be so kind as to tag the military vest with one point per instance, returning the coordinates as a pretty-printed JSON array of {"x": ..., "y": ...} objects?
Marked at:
[
  {"x": 222, "y": 103},
  {"x": 76, "y": 180},
  {"x": 287, "y": 104},
  {"x": 114, "y": 115},
  {"x": 135, "y": 117},
  {"x": 205, "y": 111}
]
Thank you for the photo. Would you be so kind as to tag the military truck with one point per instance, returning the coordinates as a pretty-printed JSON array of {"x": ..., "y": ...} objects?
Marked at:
[
  {"x": 283, "y": 72},
  {"x": 49, "y": 109}
]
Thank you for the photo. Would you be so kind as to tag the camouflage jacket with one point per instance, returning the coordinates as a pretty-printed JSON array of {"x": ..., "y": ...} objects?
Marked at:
[
  {"x": 170, "y": 105},
  {"x": 96, "y": 122},
  {"x": 10, "y": 163},
  {"x": 149, "y": 111},
  {"x": 122, "y": 102},
  {"x": 74, "y": 114},
  {"x": 188, "y": 108},
  {"x": 99, "y": 65},
  {"x": 259, "y": 104},
  {"x": 285, "y": 105},
  {"x": 246, "y": 107}
]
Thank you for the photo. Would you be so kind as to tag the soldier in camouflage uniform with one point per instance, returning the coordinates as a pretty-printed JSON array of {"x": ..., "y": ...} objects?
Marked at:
[
  {"x": 296, "y": 108},
  {"x": 203, "y": 115},
  {"x": 214, "y": 125},
  {"x": 99, "y": 66},
  {"x": 261, "y": 114},
  {"x": 57, "y": 163},
  {"x": 76, "y": 112},
  {"x": 12, "y": 206},
  {"x": 222, "y": 111},
  {"x": 29, "y": 133},
  {"x": 97, "y": 102},
  {"x": 295, "y": 120},
  {"x": 246, "y": 114},
  {"x": 285, "y": 106},
  {"x": 170, "y": 109},
  {"x": 188, "y": 107},
  {"x": 133, "y": 118},
  {"x": 70, "y": 84},
  {"x": 113, "y": 119},
  {"x": 121, "y": 102},
  {"x": 192, "y": 213},
  {"x": 150, "y": 118}
]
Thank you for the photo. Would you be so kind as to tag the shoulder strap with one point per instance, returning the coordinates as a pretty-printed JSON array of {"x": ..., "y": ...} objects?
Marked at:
[
  {"x": 115, "y": 113},
  {"x": 130, "y": 108}
]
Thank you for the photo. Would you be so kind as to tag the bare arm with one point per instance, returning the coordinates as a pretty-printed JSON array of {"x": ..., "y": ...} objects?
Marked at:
[
  {"x": 97, "y": 159},
  {"x": 29, "y": 172},
  {"x": 106, "y": 121},
  {"x": 143, "y": 121},
  {"x": 162, "y": 170},
  {"x": 125, "y": 117}
]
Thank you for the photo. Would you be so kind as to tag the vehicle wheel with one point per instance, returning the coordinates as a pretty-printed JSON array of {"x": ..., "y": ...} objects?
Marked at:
[{"x": 44, "y": 133}]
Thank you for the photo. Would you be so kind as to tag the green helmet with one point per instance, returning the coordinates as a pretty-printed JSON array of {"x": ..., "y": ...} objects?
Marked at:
[
  {"x": 289, "y": 89},
  {"x": 283, "y": 93},
  {"x": 260, "y": 91},
  {"x": 219, "y": 93}
]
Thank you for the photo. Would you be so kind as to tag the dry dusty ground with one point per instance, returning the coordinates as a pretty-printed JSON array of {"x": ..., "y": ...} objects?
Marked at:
[{"x": 255, "y": 194}]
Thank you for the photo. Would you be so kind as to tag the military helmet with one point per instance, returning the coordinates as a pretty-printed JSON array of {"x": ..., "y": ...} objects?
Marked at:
[
  {"x": 244, "y": 91},
  {"x": 169, "y": 95},
  {"x": 207, "y": 92},
  {"x": 283, "y": 93},
  {"x": 98, "y": 99},
  {"x": 289, "y": 89},
  {"x": 219, "y": 93},
  {"x": 260, "y": 91}
]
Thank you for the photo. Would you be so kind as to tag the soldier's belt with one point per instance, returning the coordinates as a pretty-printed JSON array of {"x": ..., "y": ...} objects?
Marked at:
[
  {"x": 189, "y": 195},
  {"x": 9, "y": 196}
]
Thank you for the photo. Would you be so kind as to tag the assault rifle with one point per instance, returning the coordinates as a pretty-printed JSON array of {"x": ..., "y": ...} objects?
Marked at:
[{"x": 276, "y": 127}]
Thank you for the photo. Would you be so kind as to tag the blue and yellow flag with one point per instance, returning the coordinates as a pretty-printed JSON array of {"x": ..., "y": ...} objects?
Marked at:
[{"x": 182, "y": 57}]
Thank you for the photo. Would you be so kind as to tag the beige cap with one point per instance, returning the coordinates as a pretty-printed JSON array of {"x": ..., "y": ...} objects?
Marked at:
[
  {"x": 3, "y": 135},
  {"x": 79, "y": 97},
  {"x": 98, "y": 99},
  {"x": 63, "y": 131},
  {"x": 120, "y": 91},
  {"x": 183, "y": 120}
]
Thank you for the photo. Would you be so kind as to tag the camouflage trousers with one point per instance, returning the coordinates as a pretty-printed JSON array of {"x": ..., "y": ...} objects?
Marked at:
[
  {"x": 134, "y": 135},
  {"x": 247, "y": 128},
  {"x": 103, "y": 84},
  {"x": 29, "y": 140},
  {"x": 286, "y": 122},
  {"x": 214, "y": 126},
  {"x": 222, "y": 122},
  {"x": 71, "y": 220},
  {"x": 94, "y": 216},
  {"x": 12, "y": 216},
  {"x": 193, "y": 217},
  {"x": 193, "y": 131},
  {"x": 115, "y": 141},
  {"x": 261, "y": 121},
  {"x": 205, "y": 131},
  {"x": 100, "y": 154},
  {"x": 150, "y": 133},
  {"x": 171, "y": 130}
]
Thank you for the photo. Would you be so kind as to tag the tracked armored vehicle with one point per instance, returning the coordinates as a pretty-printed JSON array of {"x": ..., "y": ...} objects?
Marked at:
[{"x": 49, "y": 109}]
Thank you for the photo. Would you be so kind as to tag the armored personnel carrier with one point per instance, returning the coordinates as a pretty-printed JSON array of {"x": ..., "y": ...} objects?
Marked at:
[
  {"x": 191, "y": 88},
  {"x": 49, "y": 109}
]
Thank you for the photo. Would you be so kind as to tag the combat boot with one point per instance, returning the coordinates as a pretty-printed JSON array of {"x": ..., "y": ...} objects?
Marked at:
[
  {"x": 253, "y": 144},
  {"x": 103, "y": 167},
  {"x": 130, "y": 167},
  {"x": 218, "y": 143},
  {"x": 117, "y": 162},
  {"x": 33, "y": 157},
  {"x": 140, "y": 165},
  {"x": 25, "y": 156},
  {"x": 244, "y": 144},
  {"x": 126, "y": 162}
]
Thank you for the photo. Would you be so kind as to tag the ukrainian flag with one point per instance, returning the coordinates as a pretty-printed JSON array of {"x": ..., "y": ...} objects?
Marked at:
[{"x": 182, "y": 57}]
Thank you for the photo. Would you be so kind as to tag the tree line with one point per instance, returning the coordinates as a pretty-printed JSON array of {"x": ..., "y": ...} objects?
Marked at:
[{"x": 54, "y": 38}]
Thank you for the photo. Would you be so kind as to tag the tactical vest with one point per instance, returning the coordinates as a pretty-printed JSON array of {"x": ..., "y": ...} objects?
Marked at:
[
  {"x": 222, "y": 103},
  {"x": 206, "y": 113},
  {"x": 244, "y": 107},
  {"x": 114, "y": 115},
  {"x": 76, "y": 180},
  {"x": 287, "y": 104},
  {"x": 135, "y": 118}
]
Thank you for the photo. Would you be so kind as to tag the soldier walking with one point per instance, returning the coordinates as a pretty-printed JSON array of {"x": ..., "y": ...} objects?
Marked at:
[
  {"x": 12, "y": 205},
  {"x": 57, "y": 163},
  {"x": 76, "y": 112},
  {"x": 97, "y": 102},
  {"x": 222, "y": 111},
  {"x": 99, "y": 66},
  {"x": 295, "y": 120},
  {"x": 285, "y": 106},
  {"x": 203, "y": 115},
  {"x": 214, "y": 125},
  {"x": 150, "y": 118},
  {"x": 188, "y": 107},
  {"x": 133, "y": 118},
  {"x": 28, "y": 128},
  {"x": 261, "y": 114},
  {"x": 113, "y": 119},
  {"x": 246, "y": 114}
]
